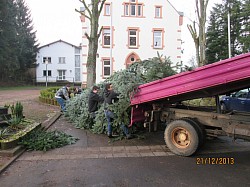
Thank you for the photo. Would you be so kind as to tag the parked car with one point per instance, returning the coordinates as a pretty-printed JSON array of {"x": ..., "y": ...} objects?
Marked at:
[{"x": 237, "y": 101}]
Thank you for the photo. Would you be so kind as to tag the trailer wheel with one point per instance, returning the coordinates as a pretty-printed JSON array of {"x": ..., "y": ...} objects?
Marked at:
[
  {"x": 181, "y": 138},
  {"x": 199, "y": 128}
]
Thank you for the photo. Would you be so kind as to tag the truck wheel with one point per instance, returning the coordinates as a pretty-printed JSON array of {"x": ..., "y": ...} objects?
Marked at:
[
  {"x": 181, "y": 138},
  {"x": 199, "y": 128}
]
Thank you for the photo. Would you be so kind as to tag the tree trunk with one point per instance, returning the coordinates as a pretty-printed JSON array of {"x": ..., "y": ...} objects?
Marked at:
[
  {"x": 93, "y": 46},
  {"x": 202, "y": 32},
  {"x": 91, "y": 63},
  {"x": 93, "y": 16},
  {"x": 193, "y": 33}
]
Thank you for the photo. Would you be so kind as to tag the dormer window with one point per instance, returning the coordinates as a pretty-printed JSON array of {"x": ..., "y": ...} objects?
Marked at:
[
  {"x": 133, "y": 8},
  {"x": 107, "y": 9},
  {"x": 158, "y": 11}
]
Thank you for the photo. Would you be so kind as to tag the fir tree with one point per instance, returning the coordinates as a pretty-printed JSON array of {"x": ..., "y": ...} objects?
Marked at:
[
  {"x": 27, "y": 43},
  {"x": 217, "y": 32},
  {"x": 8, "y": 40},
  {"x": 18, "y": 46}
]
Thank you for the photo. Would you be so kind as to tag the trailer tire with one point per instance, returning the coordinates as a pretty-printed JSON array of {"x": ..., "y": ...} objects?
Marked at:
[
  {"x": 181, "y": 138},
  {"x": 199, "y": 128}
]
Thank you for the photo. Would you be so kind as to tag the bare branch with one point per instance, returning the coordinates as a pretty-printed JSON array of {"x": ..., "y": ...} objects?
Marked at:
[
  {"x": 86, "y": 7},
  {"x": 99, "y": 12},
  {"x": 99, "y": 33},
  {"x": 205, "y": 8},
  {"x": 87, "y": 36},
  {"x": 197, "y": 8},
  {"x": 83, "y": 14}
]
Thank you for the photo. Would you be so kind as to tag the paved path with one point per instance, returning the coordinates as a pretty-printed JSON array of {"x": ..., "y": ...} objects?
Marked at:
[{"x": 98, "y": 146}]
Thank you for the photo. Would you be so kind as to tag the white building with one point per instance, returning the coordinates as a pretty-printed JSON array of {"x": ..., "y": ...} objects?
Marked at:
[
  {"x": 140, "y": 29},
  {"x": 61, "y": 61}
]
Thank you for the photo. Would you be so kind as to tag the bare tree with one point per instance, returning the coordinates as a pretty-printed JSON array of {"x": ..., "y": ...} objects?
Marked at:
[
  {"x": 92, "y": 12},
  {"x": 200, "y": 37}
]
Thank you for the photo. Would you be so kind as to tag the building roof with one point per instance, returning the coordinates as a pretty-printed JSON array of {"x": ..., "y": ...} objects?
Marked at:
[{"x": 57, "y": 42}]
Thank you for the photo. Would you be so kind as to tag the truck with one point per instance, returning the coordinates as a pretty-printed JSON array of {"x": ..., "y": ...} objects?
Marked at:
[{"x": 186, "y": 127}]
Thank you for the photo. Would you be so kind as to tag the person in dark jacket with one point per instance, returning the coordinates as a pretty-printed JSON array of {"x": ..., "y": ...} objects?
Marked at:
[
  {"x": 62, "y": 95},
  {"x": 110, "y": 96},
  {"x": 77, "y": 91},
  {"x": 94, "y": 99}
]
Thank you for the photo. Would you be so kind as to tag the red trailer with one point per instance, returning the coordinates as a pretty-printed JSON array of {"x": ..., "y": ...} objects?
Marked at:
[{"x": 187, "y": 127}]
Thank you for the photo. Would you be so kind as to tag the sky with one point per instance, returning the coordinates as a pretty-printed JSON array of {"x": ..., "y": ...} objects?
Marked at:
[{"x": 56, "y": 19}]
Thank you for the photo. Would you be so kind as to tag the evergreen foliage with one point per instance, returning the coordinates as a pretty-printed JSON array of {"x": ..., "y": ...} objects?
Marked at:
[
  {"x": 217, "y": 32},
  {"x": 125, "y": 82},
  {"x": 18, "y": 45},
  {"x": 41, "y": 140}
]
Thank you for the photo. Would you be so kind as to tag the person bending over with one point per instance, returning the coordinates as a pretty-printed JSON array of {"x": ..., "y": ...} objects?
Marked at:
[{"x": 62, "y": 95}]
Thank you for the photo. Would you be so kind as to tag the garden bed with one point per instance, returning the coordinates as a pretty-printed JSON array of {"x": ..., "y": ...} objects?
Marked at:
[{"x": 11, "y": 138}]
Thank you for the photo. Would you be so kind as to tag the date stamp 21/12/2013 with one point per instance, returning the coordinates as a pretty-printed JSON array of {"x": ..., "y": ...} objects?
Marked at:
[{"x": 215, "y": 161}]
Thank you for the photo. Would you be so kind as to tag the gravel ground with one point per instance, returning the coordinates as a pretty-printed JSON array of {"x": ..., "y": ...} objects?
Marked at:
[{"x": 32, "y": 108}]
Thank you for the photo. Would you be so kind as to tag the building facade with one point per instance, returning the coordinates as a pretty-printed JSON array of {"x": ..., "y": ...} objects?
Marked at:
[
  {"x": 133, "y": 30},
  {"x": 59, "y": 61}
]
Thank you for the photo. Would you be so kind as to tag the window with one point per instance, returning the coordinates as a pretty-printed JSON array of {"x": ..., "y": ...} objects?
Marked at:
[
  {"x": 77, "y": 60},
  {"x": 158, "y": 39},
  {"x": 139, "y": 10},
  {"x": 47, "y": 58},
  {"x": 49, "y": 73},
  {"x": 126, "y": 10},
  {"x": 106, "y": 68},
  {"x": 133, "y": 38},
  {"x": 106, "y": 37},
  {"x": 62, "y": 60},
  {"x": 77, "y": 51},
  {"x": 132, "y": 58},
  {"x": 61, "y": 74},
  {"x": 107, "y": 10},
  {"x": 77, "y": 74},
  {"x": 158, "y": 12},
  {"x": 133, "y": 8}
]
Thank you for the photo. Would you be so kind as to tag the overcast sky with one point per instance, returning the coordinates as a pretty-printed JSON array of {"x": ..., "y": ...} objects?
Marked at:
[{"x": 57, "y": 19}]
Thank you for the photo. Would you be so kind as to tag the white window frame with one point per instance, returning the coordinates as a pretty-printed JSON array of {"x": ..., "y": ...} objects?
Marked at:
[
  {"x": 107, "y": 9},
  {"x": 77, "y": 61},
  {"x": 63, "y": 74},
  {"x": 44, "y": 71},
  {"x": 126, "y": 11},
  {"x": 106, "y": 34},
  {"x": 139, "y": 10},
  {"x": 77, "y": 74},
  {"x": 62, "y": 60},
  {"x": 133, "y": 9},
  {"x": 45, "y": 58},
  {"x": 158, "y": 10},
  {"x": 158, "y": 38},
  {"x": 133, "y": 6},
  {"x": 106, "y": 66},
  {"x": 134, "y": 36}
]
